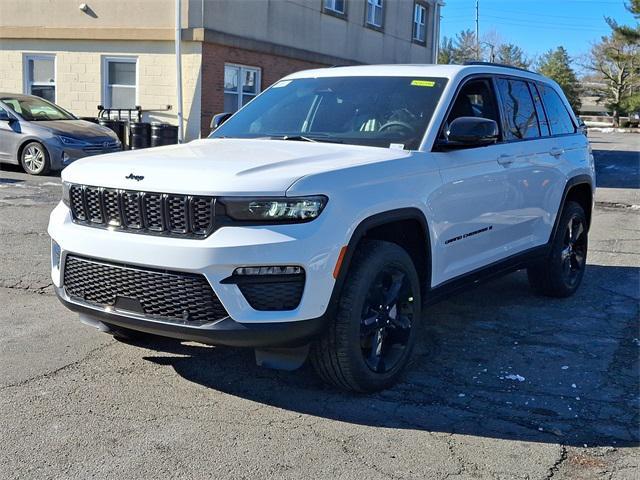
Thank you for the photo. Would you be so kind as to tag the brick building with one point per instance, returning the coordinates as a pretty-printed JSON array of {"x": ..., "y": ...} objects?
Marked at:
[{"x": 120, "y": 53}]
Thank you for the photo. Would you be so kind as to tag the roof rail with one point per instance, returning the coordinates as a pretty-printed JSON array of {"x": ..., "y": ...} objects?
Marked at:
[{"x": 504, "y": 65}]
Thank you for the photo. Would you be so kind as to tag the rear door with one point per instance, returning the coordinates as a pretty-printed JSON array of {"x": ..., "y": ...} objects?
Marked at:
[{"x": 531, "y": 169}]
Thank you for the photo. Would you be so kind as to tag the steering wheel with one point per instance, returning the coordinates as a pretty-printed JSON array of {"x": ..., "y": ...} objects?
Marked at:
[{"x": 396, "y": 123}]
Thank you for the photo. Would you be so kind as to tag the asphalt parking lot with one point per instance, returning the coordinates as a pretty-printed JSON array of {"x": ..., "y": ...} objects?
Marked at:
[{"x": 504, "y": 384}]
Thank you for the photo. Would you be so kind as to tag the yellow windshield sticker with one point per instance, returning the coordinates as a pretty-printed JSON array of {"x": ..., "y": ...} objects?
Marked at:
[{"x": 423, "y": 83}]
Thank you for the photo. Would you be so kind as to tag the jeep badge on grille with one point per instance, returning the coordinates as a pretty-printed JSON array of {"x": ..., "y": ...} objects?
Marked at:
[{"x": 137, "y": 178}]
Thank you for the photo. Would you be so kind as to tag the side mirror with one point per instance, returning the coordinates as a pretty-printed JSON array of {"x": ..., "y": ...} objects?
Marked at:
[
  {"x": 466, "y": 132},
  {"x": 5, "y": 117},
  {"x": 218, "y": 119}
]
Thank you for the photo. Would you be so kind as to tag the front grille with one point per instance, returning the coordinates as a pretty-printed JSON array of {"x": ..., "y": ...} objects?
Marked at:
[
  {"x": 169, "y": 296},
  {"x": 106, "y": 147},
  {"x": 143, "y": 212}
]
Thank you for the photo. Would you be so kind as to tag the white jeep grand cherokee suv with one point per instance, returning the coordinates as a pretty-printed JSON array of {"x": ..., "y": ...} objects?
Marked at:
[{"x": 323, "y": 216}]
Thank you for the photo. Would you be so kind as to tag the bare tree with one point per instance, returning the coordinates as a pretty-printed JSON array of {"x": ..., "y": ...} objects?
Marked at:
[{"x": 617, "y": 64}]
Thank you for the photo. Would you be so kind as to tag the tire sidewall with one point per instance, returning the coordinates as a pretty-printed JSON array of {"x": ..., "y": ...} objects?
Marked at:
[
  {"x": 45, "y": 165},
  {"x": 357, "y": 285},
  {"x": 571, "y": 210}
]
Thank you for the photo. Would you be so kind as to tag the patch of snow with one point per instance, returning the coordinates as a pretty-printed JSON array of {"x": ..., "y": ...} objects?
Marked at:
[
  {"x": 565, "y": 367},
  {"x": 573, "y": 385},
  {"x": 461, "y": 395},
  {"x": 512, "y": 376}
]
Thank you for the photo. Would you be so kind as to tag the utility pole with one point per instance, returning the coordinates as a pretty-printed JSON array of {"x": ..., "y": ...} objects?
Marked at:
[
  {"x": 477, "y": 29},
  {"x": 178, "y": 41}
]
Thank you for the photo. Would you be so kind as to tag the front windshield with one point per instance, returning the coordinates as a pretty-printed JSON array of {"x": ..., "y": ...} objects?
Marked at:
[
  {"x": 35, "y": 109},
  {"x": 374, "y": 111}
]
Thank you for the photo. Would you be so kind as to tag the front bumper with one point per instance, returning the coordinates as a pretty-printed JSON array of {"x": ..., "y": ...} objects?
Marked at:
[
  {"x": 62, "y": 156},
  {"x": 216, "y": 257},
  {"x": 225, "y": 331}
]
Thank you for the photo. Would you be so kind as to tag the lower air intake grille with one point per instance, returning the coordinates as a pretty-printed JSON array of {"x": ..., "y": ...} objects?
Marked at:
[
  {"x": 169, "y": 296},
  {"x": 273, "y": 296}
]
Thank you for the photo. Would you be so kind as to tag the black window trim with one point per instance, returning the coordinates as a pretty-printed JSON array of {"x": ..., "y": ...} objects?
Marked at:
[
  {"x": 542, "y": 137},
  {"x": 576, "y": 130},
  {"x": 335, "y": 13},
  {"x": 503, "y": 116},
  {"x": 539, "y": 106},
  {"x": 425, "y": 5},
  {"x": 366, "y": 17}
]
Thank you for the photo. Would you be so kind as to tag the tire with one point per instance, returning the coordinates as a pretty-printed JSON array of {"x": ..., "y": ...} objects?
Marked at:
[
  {"x": 561, "y": 273},
  {"x": 34, "y": 159},
  {"x": 345, "y": 356}
]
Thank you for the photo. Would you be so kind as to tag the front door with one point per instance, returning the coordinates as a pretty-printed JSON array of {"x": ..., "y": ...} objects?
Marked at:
[{"x": 469, "y": 208}]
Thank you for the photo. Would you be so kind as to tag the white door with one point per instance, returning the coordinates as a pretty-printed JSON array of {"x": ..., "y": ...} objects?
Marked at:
[{"x": 469, "y": 208}]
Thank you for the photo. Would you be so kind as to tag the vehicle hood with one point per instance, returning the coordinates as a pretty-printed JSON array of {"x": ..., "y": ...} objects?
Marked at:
[
  {"x": 80, "y": 129},
  {"x": 222, "y": 166}
]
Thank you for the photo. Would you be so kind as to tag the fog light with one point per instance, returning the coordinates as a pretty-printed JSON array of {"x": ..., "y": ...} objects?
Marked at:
[
  {"x": 55, "y": 255},
  {"x": 272, "y": 270}
]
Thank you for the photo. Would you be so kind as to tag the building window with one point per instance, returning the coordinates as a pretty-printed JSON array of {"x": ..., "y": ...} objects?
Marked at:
[
  {"x": 419, "y": 23},
  {"x": 40, "y": 76},
  {"x": 374, "y": 13},
  {"x": 241, "y": 84},
  {"x": 119, "y": 77},
  {"x": 335, "y": 7}
]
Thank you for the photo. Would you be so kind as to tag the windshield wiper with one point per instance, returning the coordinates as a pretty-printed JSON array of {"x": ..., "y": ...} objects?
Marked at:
[{"x": 299, "y": 138}]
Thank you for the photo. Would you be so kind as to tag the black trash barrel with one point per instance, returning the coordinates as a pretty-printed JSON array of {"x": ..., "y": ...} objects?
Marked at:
[
  {"x": 163, "y": 134},
  {"x": 139, "y": 135},
  {"x": 90, "y": 119},
  {"x": 118, "y": 126}
]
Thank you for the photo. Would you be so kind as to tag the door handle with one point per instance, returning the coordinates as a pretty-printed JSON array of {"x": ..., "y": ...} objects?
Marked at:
[
  {"x": 505, "y": 159},
  {"x": 556, "y": 152}
]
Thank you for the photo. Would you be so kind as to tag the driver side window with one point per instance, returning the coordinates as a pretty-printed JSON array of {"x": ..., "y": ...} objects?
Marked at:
[{"x": 475, "y": 99}]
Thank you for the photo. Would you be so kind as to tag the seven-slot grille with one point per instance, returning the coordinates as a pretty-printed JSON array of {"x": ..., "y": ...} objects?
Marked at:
[
  {"x": 170, "y": 296},
  {"x": 143, "y": 212}
]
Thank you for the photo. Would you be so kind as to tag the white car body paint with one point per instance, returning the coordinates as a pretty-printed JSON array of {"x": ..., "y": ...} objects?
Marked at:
[{"x": 458, "y": 192}]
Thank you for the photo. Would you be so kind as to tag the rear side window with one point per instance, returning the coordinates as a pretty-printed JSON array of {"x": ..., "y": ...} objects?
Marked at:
[
  {"x": 521, "y": 121},
  {"x": 559, "y": 119},
  {"x": 542, "y": 119}
]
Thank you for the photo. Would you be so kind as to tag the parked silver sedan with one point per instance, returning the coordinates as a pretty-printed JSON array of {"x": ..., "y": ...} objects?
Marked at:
[{"x": 41, "y": 136}]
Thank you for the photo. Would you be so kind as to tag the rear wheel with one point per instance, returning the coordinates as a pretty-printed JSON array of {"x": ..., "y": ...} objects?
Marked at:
[
  {"x": 34, "y": 159},
  {"x": 370, "y": 340},
  {"x": 561, "y": 273}
]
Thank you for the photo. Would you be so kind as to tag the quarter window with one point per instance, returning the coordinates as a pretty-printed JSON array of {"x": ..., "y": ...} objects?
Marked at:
[
  {"x": 374, "y": 13},
  {"x": 521, "y": 121},
  {"x": 241, "y": 84},
  {"x": 120, "y": 85},
  {"x": 419, "y": 23},
  {"x": 40, "y": 76},
  {"x": 559, "y": 119},
  {"x": 335, "y": 6}
]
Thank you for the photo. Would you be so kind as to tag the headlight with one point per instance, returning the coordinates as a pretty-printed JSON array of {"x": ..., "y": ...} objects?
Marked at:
[
  {"x": 66, "y": 197},
  {"x": 283, "y": 210},
  {"x": 70, "y": 141}
]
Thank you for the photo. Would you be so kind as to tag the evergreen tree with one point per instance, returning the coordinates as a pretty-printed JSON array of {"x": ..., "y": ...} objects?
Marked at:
[
  {"x": 556, "y": 64},
  {"x": 625, "y": 32},
  {"x": 465, "y": 47},
  {"x": 446, "y": 52},
  {"x": 511, "y": 54}
]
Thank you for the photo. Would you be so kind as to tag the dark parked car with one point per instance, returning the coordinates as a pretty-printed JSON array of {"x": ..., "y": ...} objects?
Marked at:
[{"x": 41, "y": 136}]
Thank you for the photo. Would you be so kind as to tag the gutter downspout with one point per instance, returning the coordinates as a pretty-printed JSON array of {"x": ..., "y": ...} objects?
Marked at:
[
  {"x": 436, "y": 30},
  {"x": 178, "y": 42}
]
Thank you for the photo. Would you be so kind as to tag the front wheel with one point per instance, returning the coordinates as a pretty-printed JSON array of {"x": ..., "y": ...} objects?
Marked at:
[
  {"x": 34, "y": 159},
  {"x": 561, "y": 273},
  {"x": 369, "y": 342}
]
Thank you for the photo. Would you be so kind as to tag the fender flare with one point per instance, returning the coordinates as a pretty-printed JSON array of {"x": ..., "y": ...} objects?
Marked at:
[
  {"x": 572, "y": 182},
  {"x": 377, "y": 220}
]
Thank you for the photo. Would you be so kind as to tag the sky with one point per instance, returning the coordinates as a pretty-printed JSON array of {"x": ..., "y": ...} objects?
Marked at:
[{"x": 537, "y": 25}]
